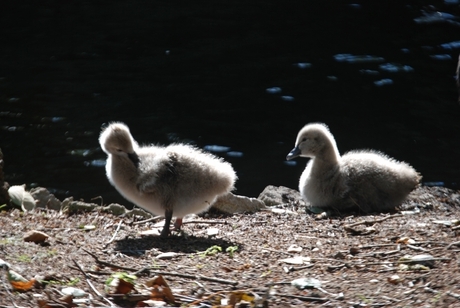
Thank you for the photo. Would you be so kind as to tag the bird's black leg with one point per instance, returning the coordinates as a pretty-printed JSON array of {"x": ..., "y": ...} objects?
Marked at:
[{"x": 168, "y": 217}]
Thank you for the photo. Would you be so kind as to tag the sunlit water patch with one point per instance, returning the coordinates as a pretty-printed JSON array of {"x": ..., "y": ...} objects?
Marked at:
[
  {"x": 395, "y": 68},
  {"x": 383, "y": 82},
  {"x": 216, "y": 148},
  {"x": 95, "y": 163},
  {"x": 273, "y": 90},
  {"x": 303, "y": 65},
  {"x": 441, "y": 57},
  {"x": 451, "y": 45},
  {"x": 235, "y": 154},
  {"x": 349, "y": 58},
  {"x": 287, "y": 98},
  {"x": 369, "y": 72}
]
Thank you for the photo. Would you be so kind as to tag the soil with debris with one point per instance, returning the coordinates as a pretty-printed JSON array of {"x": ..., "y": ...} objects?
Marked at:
[{"x": 279, "y": 257}]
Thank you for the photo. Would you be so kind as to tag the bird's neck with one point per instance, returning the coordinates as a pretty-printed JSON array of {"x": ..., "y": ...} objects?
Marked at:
[
  {"x": 134, "y": 158},
  {"x": 328, "y": 159}
]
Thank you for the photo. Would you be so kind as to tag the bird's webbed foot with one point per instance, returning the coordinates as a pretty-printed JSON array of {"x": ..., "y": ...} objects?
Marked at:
[{"x": 177, "y": 224}]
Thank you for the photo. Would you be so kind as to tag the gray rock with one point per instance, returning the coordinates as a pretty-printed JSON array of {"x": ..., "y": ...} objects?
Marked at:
[
  {"x": 274, "y": 195},
  {"x": 115, "y": 209},
  {"x": 44, "y": 199},
  {"x": 71, "y": 206},
  {"x": 232, "y": 204}
]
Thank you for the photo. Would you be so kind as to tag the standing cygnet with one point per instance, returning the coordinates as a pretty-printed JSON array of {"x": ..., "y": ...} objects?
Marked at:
[
  {"x": 174, "y": 180},
  {"x": 368, "y": 180}
]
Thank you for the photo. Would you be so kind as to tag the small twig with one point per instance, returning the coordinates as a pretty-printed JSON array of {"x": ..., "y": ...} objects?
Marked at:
[
  {"x": 196, "y": 277},
  {"x": 184, "y": 298},
  {"x": 416, "y": 248},
  {"x": 98, "y": 197},
  {"x": 337, "y": 296},
  {"x": 430, "y": 243},
  {"x": 391, "y": 299},
  {"x": 209, "y": 222},
  {"x": 454, "y": 295},
  {"x": 453, "y": 244},
  {"x": 277, "y": 251},
  {"x": 400, "y": 261},
  {"x": 94, "y": 273},
  {"x": 147, "y": 220},
  {"x": 373, "y": 304},
  {"x": 147, "y": 269},
  {"x": 232, "y": 282},
  {"x": 371, "y": 222},
  {"x": 201, "y": 300},
  {"x": 334, "y": 267},
  {"x": 202, "y": 286},
  {"x": 299, "y": 268},
  {"x": 385, "y": 253},
  {"x": 327, "y": 260},
  {"x": 109, "y": 264},
  {"x": 306, "y": 298},
  {"x": 91, "y": 285},
  {"x": 115, "y": 234},
  {"x": 374, "y": 246},
  {"x": 431, "y": 290}
]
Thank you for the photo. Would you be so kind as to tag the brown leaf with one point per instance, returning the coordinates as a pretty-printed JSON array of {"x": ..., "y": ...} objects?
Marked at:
[
  {"x": 124, "y": 287},
  {"x": 160, "y": 290},
  {"x": 244, "y": 267},
  {"x": 23, "y": 285},
  {"x": 168, "y": 295},
  {"x": 158, "y": 281},
  {"x": 159, "y": 293},
  {"x": 227, "y": 269},
  {"x": 35, "y": 236},
  {"x": 68, "y": 299},
  {"x": 354, "y": 251},
  {"x": 42, "y": 303}
]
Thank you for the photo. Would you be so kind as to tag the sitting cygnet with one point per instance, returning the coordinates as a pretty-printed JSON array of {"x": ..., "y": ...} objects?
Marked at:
[
  {"x": 172, "y": 181},
  {"x": 368, "y": 180}
]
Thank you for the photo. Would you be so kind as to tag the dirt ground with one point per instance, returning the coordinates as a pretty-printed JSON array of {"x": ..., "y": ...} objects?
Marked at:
[{"x": 241, "y": 260}]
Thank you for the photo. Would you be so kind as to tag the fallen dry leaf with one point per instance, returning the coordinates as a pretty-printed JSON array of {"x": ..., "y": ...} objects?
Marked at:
[
  {"x": 35, "y": 236},
  {"x": 405, "y": 240},
  {"x": 160, "y": 289},
  {"x": 23, "y": 285},
  {"x": 124, "y": 287},
  {"x": 68, "y": 299},
  {"x": 237, "y": 297}
]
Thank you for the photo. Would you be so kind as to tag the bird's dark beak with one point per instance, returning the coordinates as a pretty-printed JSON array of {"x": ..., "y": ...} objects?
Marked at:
[
  {"x": 134, "y": 158},
  {"x": 293, "y": 154}
]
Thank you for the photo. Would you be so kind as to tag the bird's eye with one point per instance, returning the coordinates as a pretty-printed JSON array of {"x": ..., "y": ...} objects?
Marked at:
[{"x": 304, "y": 139}]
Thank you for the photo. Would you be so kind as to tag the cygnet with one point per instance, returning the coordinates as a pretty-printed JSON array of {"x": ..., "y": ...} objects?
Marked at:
[
  {"x": 366, "y": 179},
  {"x": 175, "y": 180}
]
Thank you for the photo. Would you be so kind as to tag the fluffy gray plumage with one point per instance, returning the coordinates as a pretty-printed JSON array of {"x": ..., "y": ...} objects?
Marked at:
[
  {"x": 173, "y": 181},
  {"x": 368, "y": 180}
]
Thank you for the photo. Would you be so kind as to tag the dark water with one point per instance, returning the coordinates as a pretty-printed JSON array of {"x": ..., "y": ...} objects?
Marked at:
[{"x": 198, "y": 71}]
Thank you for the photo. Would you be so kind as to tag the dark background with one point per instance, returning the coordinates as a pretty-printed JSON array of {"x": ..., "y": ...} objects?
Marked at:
[{"x": 197, "y": 71}]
